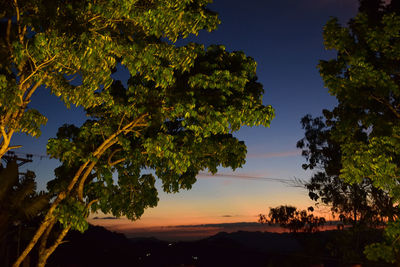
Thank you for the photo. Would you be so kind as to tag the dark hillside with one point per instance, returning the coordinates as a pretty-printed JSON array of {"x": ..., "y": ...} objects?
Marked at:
[{"x": 100, "y": 247}]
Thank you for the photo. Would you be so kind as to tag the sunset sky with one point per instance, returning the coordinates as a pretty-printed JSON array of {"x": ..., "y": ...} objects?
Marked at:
[{"x": 285, "y": 38}]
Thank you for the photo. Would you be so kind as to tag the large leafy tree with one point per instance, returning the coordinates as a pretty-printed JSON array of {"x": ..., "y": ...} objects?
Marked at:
[
  {"x": 176, "y": 132},
  {"x": 357, "y": 203},
  {"x": 175, "y": 117},
  {"x": 71, "y": 47},
  {"x": 364, "y": 77}
]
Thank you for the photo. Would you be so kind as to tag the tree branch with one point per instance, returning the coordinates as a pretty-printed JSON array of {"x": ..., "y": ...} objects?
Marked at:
[
  {"x": 387, "y": 104},
  {"x": 33, "y": 241},
  {"x": 43, "y": 241},
  {"x": 83, "y": 179},
  {"x": 21, "y": 38},
  {"x": 29, "y": 94},
  {"x": 91, "y": 203},
  {"x": 43, "y": 64},
  {"x": 62, "y": 195},
  {"x": 49, "y": 216},
  {"x": 13, "y": 147},
  {"x": 107, "y": 144},
  {"x": 111, "y": 155},
  {"x": 8, "y": 32},
  {"x": 43, "y": 258}
]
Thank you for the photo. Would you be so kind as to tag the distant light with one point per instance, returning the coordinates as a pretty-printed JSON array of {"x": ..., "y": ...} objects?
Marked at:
[
  {"x": 148, "y": 254},
  {"x": 170, "y": 244},
  {"x": 195, "y": 258}
]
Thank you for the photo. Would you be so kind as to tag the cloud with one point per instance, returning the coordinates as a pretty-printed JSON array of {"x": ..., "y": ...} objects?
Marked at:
[
  {"x": 243, "y": 176},
  {"x": 217, "y": 225},
  {"x": 105, "y": 218},
  {"x": 227, "y": 216},
  {"x": 274, "y": 154}
]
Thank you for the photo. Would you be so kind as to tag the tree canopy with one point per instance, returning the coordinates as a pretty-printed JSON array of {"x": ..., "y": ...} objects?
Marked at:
[
  {"x": 20, "y": 205},
  {"x": 175, "y": 117},
  {"x": 364, "y": 77},
  {"x": 294, "y": 220},
  {"x": 360, "y": 203},
  {"x": 72, "y": 47}
]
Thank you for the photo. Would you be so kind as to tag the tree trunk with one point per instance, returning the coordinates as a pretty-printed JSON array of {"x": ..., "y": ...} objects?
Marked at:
[
  {"x": 79, "y": 178},
  {"x": 45, "y": 254},
  {"x": 4, "y": 146},
  {"x": 33, "y": 242}
]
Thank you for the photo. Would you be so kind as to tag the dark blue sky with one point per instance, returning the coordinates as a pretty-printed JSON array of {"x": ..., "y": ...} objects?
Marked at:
[{"x": 285, "y": 38}]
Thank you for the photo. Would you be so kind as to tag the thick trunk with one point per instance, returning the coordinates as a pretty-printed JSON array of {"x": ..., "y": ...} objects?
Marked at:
[
  {"x": 79, "y": 179},
  {"x": 46, "y": 253},
  {"x": 33, "y": 242}
]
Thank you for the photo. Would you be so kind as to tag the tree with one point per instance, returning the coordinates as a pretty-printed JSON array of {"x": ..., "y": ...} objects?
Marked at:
[
  {"x": 19, "y": 203},
  {"x": 176, "y": 116},
  {"x": 364, "y": 77},
  {"x": 356, "y": 203},
  {"x": 293, "y": 219},
  {"x": 71, "y": 47}
]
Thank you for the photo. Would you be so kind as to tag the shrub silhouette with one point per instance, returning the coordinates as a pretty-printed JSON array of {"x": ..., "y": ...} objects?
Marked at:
[{"x": 294, "y": 220}]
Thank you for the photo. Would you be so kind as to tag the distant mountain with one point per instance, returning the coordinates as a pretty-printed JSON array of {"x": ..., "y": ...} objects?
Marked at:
[
  {"x": 100, "y": 247},
  {"x": 223, "y": 225},
  {"x": 261, "y": 241}
]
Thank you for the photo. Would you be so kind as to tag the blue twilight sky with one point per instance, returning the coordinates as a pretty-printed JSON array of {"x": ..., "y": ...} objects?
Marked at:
[{"x": 285, "y": 38}]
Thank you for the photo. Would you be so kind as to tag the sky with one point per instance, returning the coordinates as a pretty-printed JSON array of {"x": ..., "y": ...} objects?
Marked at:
[{"x": 285, "y": 38}]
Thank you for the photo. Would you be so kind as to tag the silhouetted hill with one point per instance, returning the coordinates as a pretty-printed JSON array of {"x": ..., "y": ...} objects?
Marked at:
[
  {"x": 96, "y": 247},
  {"x": 261, "y": 241},
  {"x": 100, "y": 247}
]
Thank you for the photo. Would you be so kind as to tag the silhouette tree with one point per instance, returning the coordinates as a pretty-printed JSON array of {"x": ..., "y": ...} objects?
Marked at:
[
  {"x": 364, "y": 77},
  {"x": 355, "y": 203},
  {"x": 176, "y": 116},
  {"x": 19, "y": 204},
  {"x": 293, "y": 219}
]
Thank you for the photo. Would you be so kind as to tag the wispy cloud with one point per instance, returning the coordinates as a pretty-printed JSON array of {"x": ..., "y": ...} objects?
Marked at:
[
  {"x": 274, "y": 154},
  {"x": 104, "y": 218},
  {"x": 224, "y": 225},
  {"x": 243, "y": 176}
]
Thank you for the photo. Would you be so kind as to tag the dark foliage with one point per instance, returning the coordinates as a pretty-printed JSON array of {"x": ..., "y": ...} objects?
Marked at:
[
  {"x": 20, "y": 208},
  {"x": 294, "y": 220},
  {"x": 355, "y": 203}
]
